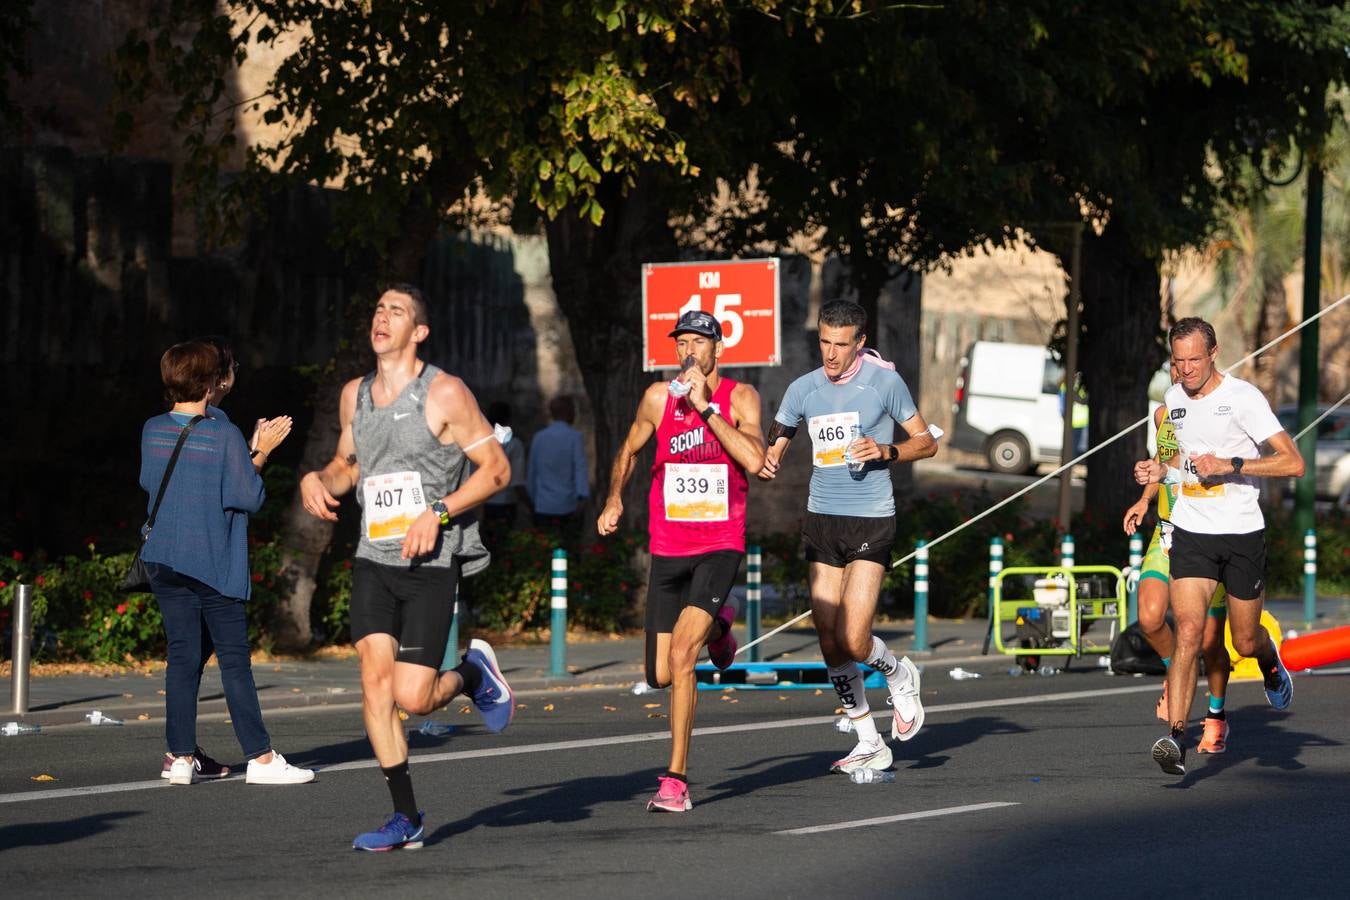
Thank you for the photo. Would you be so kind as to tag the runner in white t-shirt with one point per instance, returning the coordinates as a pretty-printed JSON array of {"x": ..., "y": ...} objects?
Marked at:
[{"x": 1221, "y": 423}]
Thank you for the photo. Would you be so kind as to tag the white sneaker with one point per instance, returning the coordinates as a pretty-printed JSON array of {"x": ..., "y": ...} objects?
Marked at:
[
  {"x": 864, "y": 756},
  {"x": 278, "y": 771},
  {"x": 906, "y": 707},
  {"x": 183, "y": 770}
]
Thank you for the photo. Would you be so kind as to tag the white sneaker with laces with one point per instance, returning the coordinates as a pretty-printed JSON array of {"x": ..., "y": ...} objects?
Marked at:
[
  {"x": 906, "y": 707},
  {"x": 183, "y": 770},
  {"x": 865, "y": 755},
  {"x": 278, "y": 771}
]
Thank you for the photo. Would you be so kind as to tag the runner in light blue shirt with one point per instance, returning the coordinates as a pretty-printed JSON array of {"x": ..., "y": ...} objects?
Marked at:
[
  {"x": 873, "y": 399},
  {"x": 850, "y": 406}
]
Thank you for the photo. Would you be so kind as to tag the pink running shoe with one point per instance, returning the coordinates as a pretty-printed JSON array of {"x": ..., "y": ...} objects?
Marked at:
[
  {"x": 672, "y": 797},
  {"x": 722, "y": 651}
]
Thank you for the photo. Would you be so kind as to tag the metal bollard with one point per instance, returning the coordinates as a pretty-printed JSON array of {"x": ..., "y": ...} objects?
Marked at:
[
  {"x": 1066, "y": 551},
  {"x": 558, "y": 642},
  {"x": 753, "y": 562},
  {"x": 1309, "y": 578},
  {"x": 23, "y": 627},
  {"x": 451, "y": 658},
  {"x": 920, "y": 595},
  {"x": 1136, "y": 560},
  {"x": 995, "y": 566}
]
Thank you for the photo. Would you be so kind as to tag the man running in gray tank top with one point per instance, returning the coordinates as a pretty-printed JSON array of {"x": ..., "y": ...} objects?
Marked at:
[{"x": 408, "y": 429}]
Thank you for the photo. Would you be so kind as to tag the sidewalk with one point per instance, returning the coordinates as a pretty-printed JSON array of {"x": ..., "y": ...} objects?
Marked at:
[{"x": 592, "y": 663}]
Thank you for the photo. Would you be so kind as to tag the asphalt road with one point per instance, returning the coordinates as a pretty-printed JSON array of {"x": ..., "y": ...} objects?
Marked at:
[{"x": 1015, "y": 787}]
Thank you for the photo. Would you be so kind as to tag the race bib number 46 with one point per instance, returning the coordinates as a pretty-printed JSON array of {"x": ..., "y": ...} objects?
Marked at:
[
  {"x": 696, "y": 492},
  {"x": 830, "y": 435},
  {"x": 392, "y": 503}
]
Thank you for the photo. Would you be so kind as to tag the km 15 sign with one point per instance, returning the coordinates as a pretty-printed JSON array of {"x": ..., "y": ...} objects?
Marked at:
[{"x": 742, "y": 294}]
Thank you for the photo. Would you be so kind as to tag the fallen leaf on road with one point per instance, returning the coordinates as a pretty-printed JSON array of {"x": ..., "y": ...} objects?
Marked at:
[
  {"x": 656, "y": 715},
  {"x": 128, "y": 696},
  {"x": 160, "y": 692},
  {"x": 651, "y": 706},
  {"x": 548, "y": 708},
  {"x": 522, "y": 706},
  {"x": 43, "y": 777},
  {"x": 838, "y": 710},
  {"x": 295, "y": 690},
  {"x": 144, "y": 717},
  {"x": 402, "y": 715},
  {"x": 819, "y": 692},
  {"x": 463, "y": 710},
  {"x": 229, "y": 722},
  {"x": 611, "y": 709},
  {"x": 781, "y": 697}
]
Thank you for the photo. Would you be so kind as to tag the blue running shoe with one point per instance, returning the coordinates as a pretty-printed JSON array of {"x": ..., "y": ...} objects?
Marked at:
[
  {"x": 396, "y": 834},
  {"x": 1282, "y": 693},
  {"x": 493, "y": 697}
]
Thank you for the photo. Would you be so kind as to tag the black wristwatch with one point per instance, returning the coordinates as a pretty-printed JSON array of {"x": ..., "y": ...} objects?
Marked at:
[
  {"x": 441, "y": 511},
  {"x": 890, "y": 454},
  {"x": 1237, "y": 462}
]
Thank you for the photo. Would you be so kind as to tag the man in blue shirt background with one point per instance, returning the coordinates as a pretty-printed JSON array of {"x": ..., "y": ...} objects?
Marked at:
[{"x": 559, "y": 475}]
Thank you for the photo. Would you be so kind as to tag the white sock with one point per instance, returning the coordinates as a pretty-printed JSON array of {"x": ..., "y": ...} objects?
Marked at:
[
  {"x": 848, "y": 685},
  {"x": 866, "y": 729}
]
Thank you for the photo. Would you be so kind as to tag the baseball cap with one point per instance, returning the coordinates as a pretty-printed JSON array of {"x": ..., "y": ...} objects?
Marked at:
[{"x": 696, "y": 321}]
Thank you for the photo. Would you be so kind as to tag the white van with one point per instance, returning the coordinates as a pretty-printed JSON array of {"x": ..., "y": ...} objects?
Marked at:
[{"x": 1008, "y": 405}]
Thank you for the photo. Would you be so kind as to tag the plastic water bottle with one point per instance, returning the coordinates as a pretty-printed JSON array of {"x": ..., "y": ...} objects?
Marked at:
[
  {"x": 855, "y": 466},
  {"x": 677, "y": 387},
  {"x": 432, "y": 728},
  {"x": 871, "y": 776},
  {"x": 960, "y": 674},
  {"x": 1016, "y": 672},
  {"x": 1047, "y": 671},
  {"x": 14, "y": 729},
  {"x": 98, "y": 718},
  {"x": 843, "y": 724}
]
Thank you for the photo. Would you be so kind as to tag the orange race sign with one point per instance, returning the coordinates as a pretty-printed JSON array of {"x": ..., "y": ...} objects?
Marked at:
[{"x": 742, "y": 294}]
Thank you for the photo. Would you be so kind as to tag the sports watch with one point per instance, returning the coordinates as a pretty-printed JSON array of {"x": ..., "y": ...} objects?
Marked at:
[
  {"x": 442, "y": 513},
  {"x": 1237, "y": 462}
]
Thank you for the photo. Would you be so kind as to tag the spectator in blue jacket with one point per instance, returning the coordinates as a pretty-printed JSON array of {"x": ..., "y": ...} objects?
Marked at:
[
  {"x": 197, "y": 557},
  {"x": 559, "y": 475}
]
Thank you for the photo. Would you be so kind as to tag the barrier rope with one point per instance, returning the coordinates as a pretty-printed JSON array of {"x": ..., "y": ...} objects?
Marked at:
[{"x": 1073, "y": 462}]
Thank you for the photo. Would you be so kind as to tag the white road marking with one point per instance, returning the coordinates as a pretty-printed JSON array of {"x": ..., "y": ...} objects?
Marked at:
[
  {"x": 583, "y": 744},
  {"x": 902, "y": 817}
]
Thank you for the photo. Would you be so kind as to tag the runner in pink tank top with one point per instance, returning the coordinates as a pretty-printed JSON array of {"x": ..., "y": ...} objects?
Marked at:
[
  {"x": 697, "y": 501},
  {"x": 707, "y": 439}
]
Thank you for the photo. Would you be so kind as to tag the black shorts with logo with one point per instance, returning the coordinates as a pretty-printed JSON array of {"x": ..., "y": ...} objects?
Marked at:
[
  {"x": 837, "y": 541},
  {"x": 1237, "y": 561},
  {"x": 414, "y": 605},
  {"x": 679, "y": 581}
]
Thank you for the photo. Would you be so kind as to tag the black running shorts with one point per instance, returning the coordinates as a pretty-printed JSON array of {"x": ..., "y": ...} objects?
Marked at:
[
  {"x": 679, "y": 581},
  {"x": 414, "y": 605},
  {"x": 837, "y": 541},
  {"x": 1237, "y": 561}
]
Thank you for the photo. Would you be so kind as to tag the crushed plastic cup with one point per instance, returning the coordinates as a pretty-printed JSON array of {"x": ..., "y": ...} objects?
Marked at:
[
  {"x": 98, "y": 718},
  {"x": 960, "y": 674},
  {"x": 14, "y": 729},
  {"x": 843, "y": 724},
  {"x": 432, "y": 728}
]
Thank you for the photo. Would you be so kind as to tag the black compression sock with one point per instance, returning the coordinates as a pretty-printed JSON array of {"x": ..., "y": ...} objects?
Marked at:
[
  {"x": 472, "y": 675},
  {"x": 401, "y": 791}
]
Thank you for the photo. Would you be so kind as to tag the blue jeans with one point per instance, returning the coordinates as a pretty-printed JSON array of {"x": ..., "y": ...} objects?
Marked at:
[{"x": 187, "y": 605}]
